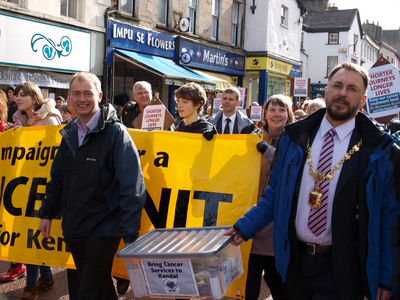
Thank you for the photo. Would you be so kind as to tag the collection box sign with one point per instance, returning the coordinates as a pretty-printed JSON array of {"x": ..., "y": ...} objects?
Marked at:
[
  {"x": 384, "y": 91},
  {"x": 128, "y": 37},
  {"x": 208, "y": 58},
  {"x": 36, "y": 44},
  {"x": 173, "y": 278}
]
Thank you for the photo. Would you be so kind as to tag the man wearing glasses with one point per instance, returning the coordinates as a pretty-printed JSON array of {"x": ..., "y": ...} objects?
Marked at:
[{"x": 142, "y": 96}]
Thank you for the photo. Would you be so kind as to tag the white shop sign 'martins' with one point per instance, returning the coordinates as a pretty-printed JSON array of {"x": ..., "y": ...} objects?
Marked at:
[{"x": 36, "y": 44}]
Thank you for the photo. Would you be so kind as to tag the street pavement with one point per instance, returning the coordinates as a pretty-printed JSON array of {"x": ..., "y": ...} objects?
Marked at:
[{"x": 13, "y": 290}]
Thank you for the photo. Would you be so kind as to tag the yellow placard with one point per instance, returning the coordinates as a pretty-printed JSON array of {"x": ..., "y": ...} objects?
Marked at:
[{"x": 219, "y": 177}]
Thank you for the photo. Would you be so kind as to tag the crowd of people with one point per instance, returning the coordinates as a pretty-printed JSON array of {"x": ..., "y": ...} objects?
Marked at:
[{"x": 326, "y": 223}]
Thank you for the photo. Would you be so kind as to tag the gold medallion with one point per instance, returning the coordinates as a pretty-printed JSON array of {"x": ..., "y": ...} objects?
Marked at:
[
  {"x": 314, "y": 199},
  {"x": 315, "y": 196}
]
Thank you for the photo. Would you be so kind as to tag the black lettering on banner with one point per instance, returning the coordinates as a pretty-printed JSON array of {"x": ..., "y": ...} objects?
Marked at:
[
  {"x": 158, "y": 218},
  {"x": 33, "y": 238},
  {"x": 5, "y": 238},
  {"x": 211, "y": 205},
  {"x": 162, "y": 161},
  {"x": 33, "y": 196},
  {"x": 14, "y": 236},
  {"x": 182, "y": 203},
  {"x": 3, "y": 180},
  {"x": 19, "y": 153},
  {"x": 11, "y": 186},
  {"x": 47, "y": 244}
]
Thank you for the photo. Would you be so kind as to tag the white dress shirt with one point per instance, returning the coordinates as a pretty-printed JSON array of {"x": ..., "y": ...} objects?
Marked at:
[
  {"x": 231, "y": 124},
  {"x": 341, "y": 144}
]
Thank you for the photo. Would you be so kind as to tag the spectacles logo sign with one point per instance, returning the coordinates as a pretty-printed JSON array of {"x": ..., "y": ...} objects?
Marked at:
[{"x": 51, "y": 49}]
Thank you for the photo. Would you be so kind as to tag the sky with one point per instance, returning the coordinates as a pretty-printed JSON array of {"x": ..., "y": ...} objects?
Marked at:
[{"x": 387, "y": 12}]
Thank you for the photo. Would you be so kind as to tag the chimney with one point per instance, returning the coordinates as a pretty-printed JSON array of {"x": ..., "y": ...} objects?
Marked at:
[
  {"x": 367, "y": 21},
  {"x": 377, "y": 23}
]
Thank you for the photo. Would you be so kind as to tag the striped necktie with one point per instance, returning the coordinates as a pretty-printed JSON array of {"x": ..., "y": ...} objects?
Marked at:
[{"x": 317, "y": 217}]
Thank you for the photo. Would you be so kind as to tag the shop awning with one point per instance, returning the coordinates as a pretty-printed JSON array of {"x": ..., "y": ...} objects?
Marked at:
[
  {"x": 173, "y": 73},
  {"x": 223, "y": 81}
]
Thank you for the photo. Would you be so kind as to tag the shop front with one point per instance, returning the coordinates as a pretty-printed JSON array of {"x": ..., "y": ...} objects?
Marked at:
[
  {"x": 135, "y": 54},
  {"x": 317, "y": 90},
  {"x": 42, "y": 53},
  {"x": 266, "y": 76},
  {"x": 226, "y": 68}
]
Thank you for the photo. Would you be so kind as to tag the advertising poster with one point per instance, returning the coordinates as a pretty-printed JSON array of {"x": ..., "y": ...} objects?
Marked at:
[
  {"x": 216, "y": 105},
  {"x": 153, "y": 117},
  {"x": 384, "y": 91},
  {"x": 255, "y": 113},
  {"x": 301, "y": 87},
  {"x": 242, "y": 97}
]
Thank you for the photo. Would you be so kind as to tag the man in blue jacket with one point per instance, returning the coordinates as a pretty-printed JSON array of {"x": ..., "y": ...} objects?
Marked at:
[
  {"x": 97, "y": 186},
  {"x": 334, "y": 197}
]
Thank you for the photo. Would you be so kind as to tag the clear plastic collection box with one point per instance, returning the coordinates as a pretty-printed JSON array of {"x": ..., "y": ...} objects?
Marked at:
[{"x": 182, "y": 263}]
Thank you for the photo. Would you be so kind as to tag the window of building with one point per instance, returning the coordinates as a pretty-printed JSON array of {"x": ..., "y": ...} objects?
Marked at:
[
  {"x": 128, "y": 7},
  {"x": 355, "y": 40},
  {"x": 68, "y": 8},
  {"x": 13, "y": 1},
  {"x": 302, "y": 41},
  {"x": 332, "y": 62},
  {"x": 392, "y": 60},
  {"x": 235, "y": 23},
  {"x": 163, "y": 8},
  {"x": 284, "y": 15},
  {"x": 333, "y": 38},
  {"x": 192, "y": 15},
  {"x": 215, "y": 19}
]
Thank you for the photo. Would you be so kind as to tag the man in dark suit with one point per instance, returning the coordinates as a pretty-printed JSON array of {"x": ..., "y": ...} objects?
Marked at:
[
  {"x": 230, "y": 120},
  {"x": 334, "y": 197}
]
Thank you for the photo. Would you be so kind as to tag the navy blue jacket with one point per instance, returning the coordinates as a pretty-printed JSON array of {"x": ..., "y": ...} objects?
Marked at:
[
  {"x": 378, "y": 217},
  {"x": 97, "y": 187}
]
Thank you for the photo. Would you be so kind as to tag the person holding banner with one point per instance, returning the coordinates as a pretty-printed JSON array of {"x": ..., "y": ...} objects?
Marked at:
[
  {"x": 34, "y": 111},
  {"x": 229, "y": 120},
  {"x": 334, "y": 197},
  {"x": 190, "y": 99},
  {"x": 277, "y": 113},
  {"x": 96, "y": 185},
  {"x": 142, "y": 95}
]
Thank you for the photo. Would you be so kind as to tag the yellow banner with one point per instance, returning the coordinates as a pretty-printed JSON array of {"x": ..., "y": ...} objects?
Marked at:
[{"x": 176, "y": 167}]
